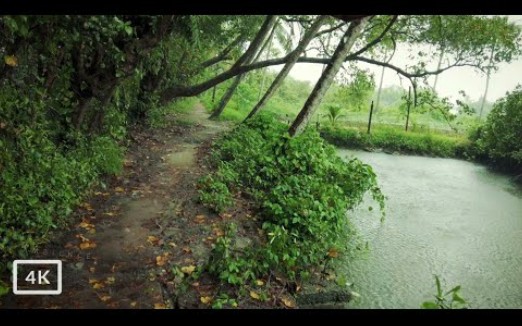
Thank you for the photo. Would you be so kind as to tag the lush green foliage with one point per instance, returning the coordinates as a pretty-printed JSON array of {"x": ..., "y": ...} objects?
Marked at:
[
  {"x": 300, "y": 189},
  {"x": 285, "y": 102},
  {"x": 392, "y": 139},
  {"x": 333, "y": 113},
  {"x": 69, "y": 87},
  {"x": 501, "y": 136},
  {"x": 451, "y": 299}
]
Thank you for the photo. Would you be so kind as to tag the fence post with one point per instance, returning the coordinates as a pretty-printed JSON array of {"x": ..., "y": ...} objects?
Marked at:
[
  {"x": 370, "y": 119},
  {"x": 409, "y": 104}
]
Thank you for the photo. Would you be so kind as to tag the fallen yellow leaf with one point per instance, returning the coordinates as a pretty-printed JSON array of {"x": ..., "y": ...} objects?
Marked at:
[
  {"x": 133, "y": 304},
  {"x": 93, "y": 280},
  {"x": 259, "y": 283},
  {"x": 111, "y": 214},
  {"x": 159, "y": 306},
  {"x": 162, "y": 260},
  {"x": 333, "y": 253},
  {"x": 82, "y": 238},
  {"x": 92, "y": 269},
  {"x": 288, "y": 302},
  {"x": 152, "y": 240},
  {"x": 254, "y": 295},
  {"x": 105, "y": 298},
  {"x": 11, "y": 60},
  {"x": 119, "y": 189},
  {"x": 86, "y": 206},
  {"x": 87, "y": 245},
  {"x": 205, "y": 300},
  {"x": 225, "y": 215},
  {"x": 97, "y": 193},
  {"x": 97, "y": 286},
  {"x": 86, "y": 225},
  {"x": 110, "y": 280},
  {"x": 218, "y": 232},
  {"x": 200, "y": 219},
  {"x": 188, "y": 269}
]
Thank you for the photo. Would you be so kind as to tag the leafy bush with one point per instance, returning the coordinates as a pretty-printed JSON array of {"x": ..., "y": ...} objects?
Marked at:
[
  {"x": 39, "y": 191},
  {"x": 501, "y": 135},
  {"x": 300, "y": 189}
]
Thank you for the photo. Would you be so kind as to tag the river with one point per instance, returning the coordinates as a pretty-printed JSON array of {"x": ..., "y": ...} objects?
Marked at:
[{"x": 447, "y": 217}]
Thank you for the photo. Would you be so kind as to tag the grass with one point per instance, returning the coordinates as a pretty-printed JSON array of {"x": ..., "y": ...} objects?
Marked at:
[{"x": 392, "y": 139}]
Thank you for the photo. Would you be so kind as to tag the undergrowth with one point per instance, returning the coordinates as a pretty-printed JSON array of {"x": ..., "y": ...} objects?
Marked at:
[{"x": 300, "y": 190}]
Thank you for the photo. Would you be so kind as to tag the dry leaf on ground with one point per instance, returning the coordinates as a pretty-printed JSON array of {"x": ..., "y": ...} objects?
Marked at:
[
  {"x": 254, "y": 295},
  {"x": 205, "y": 300}
]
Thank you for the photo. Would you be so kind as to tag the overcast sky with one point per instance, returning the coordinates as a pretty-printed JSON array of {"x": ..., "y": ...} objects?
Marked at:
[{"x": 449, "y": 83}]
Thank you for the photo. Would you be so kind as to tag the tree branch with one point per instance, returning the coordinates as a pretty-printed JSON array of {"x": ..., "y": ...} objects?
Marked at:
[
  {"x": 378, "y": 39},
  {"x": 399, "y": 70},
  {"x": 331, "y": 29},
  {"x": 254, "y": 45},
  {"x": 223, "y": 55}
]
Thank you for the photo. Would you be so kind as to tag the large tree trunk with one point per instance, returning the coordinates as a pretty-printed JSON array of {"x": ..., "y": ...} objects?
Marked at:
[
  {"x": 255, "y": 47},
  {"x": 267, "y": 55},
  {"x": 292, "y": 59},
  {"x": 257, "y": 41},
  {"x": 226, "y": 98},
  {"x": 327, "y": 77},
  {"x": 438, "y": 68},
  {"x": 484, "y": 97},
  {"x": 378, "y": 99}
]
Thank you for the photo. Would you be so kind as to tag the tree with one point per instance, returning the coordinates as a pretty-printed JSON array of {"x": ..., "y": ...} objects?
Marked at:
[
  {"x": 470, "y": 36},
  {"x": 254, "y": 50},
  {"x": 327, "y": 77},
  {"x": 291, "y": 60},
  {"x": 356, "y": 92}
]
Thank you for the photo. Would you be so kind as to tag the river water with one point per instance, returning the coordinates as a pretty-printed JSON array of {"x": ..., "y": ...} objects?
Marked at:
[{"x": 447, "y": 217}]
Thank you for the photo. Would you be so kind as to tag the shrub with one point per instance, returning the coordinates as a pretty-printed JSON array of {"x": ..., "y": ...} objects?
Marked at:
[
  {"x": 501, "y": 135},
  {"x": 301, "y": 190}
]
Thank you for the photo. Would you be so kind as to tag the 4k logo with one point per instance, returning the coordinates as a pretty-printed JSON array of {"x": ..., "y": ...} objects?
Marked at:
[{"x": 37, "y": 277}]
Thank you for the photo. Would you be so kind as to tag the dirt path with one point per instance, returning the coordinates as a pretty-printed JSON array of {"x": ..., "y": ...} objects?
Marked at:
[{"x": 121, "y": 250}]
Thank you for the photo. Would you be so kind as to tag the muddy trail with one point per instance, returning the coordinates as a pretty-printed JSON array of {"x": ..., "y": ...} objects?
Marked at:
[{"x": 124, "y": 240}]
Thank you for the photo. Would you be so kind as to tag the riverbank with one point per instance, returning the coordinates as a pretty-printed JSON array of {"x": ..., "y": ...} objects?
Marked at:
[{"x": 394, "y": 140}]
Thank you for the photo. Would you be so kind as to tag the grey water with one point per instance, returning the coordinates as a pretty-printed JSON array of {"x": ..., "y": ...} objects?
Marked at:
[{"x": 447, "y": 217}]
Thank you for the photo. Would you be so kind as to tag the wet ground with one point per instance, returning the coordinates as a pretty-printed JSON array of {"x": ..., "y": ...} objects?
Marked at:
[{"x": 127, "y": 238}]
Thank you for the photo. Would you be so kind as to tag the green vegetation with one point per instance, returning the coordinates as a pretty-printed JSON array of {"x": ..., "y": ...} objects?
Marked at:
[
  {"x": 70, "y": 87},
  {"x": 284, "y": 104},
  {"x": 451, "y": 299},
  {"x": 500, "y": 138},
  {"x": 299, "y": 189},
  {"x": 392, "y": 139}
]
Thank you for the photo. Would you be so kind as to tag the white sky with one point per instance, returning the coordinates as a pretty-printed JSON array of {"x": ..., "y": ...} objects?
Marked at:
[{"x": 449, "y": 82}]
